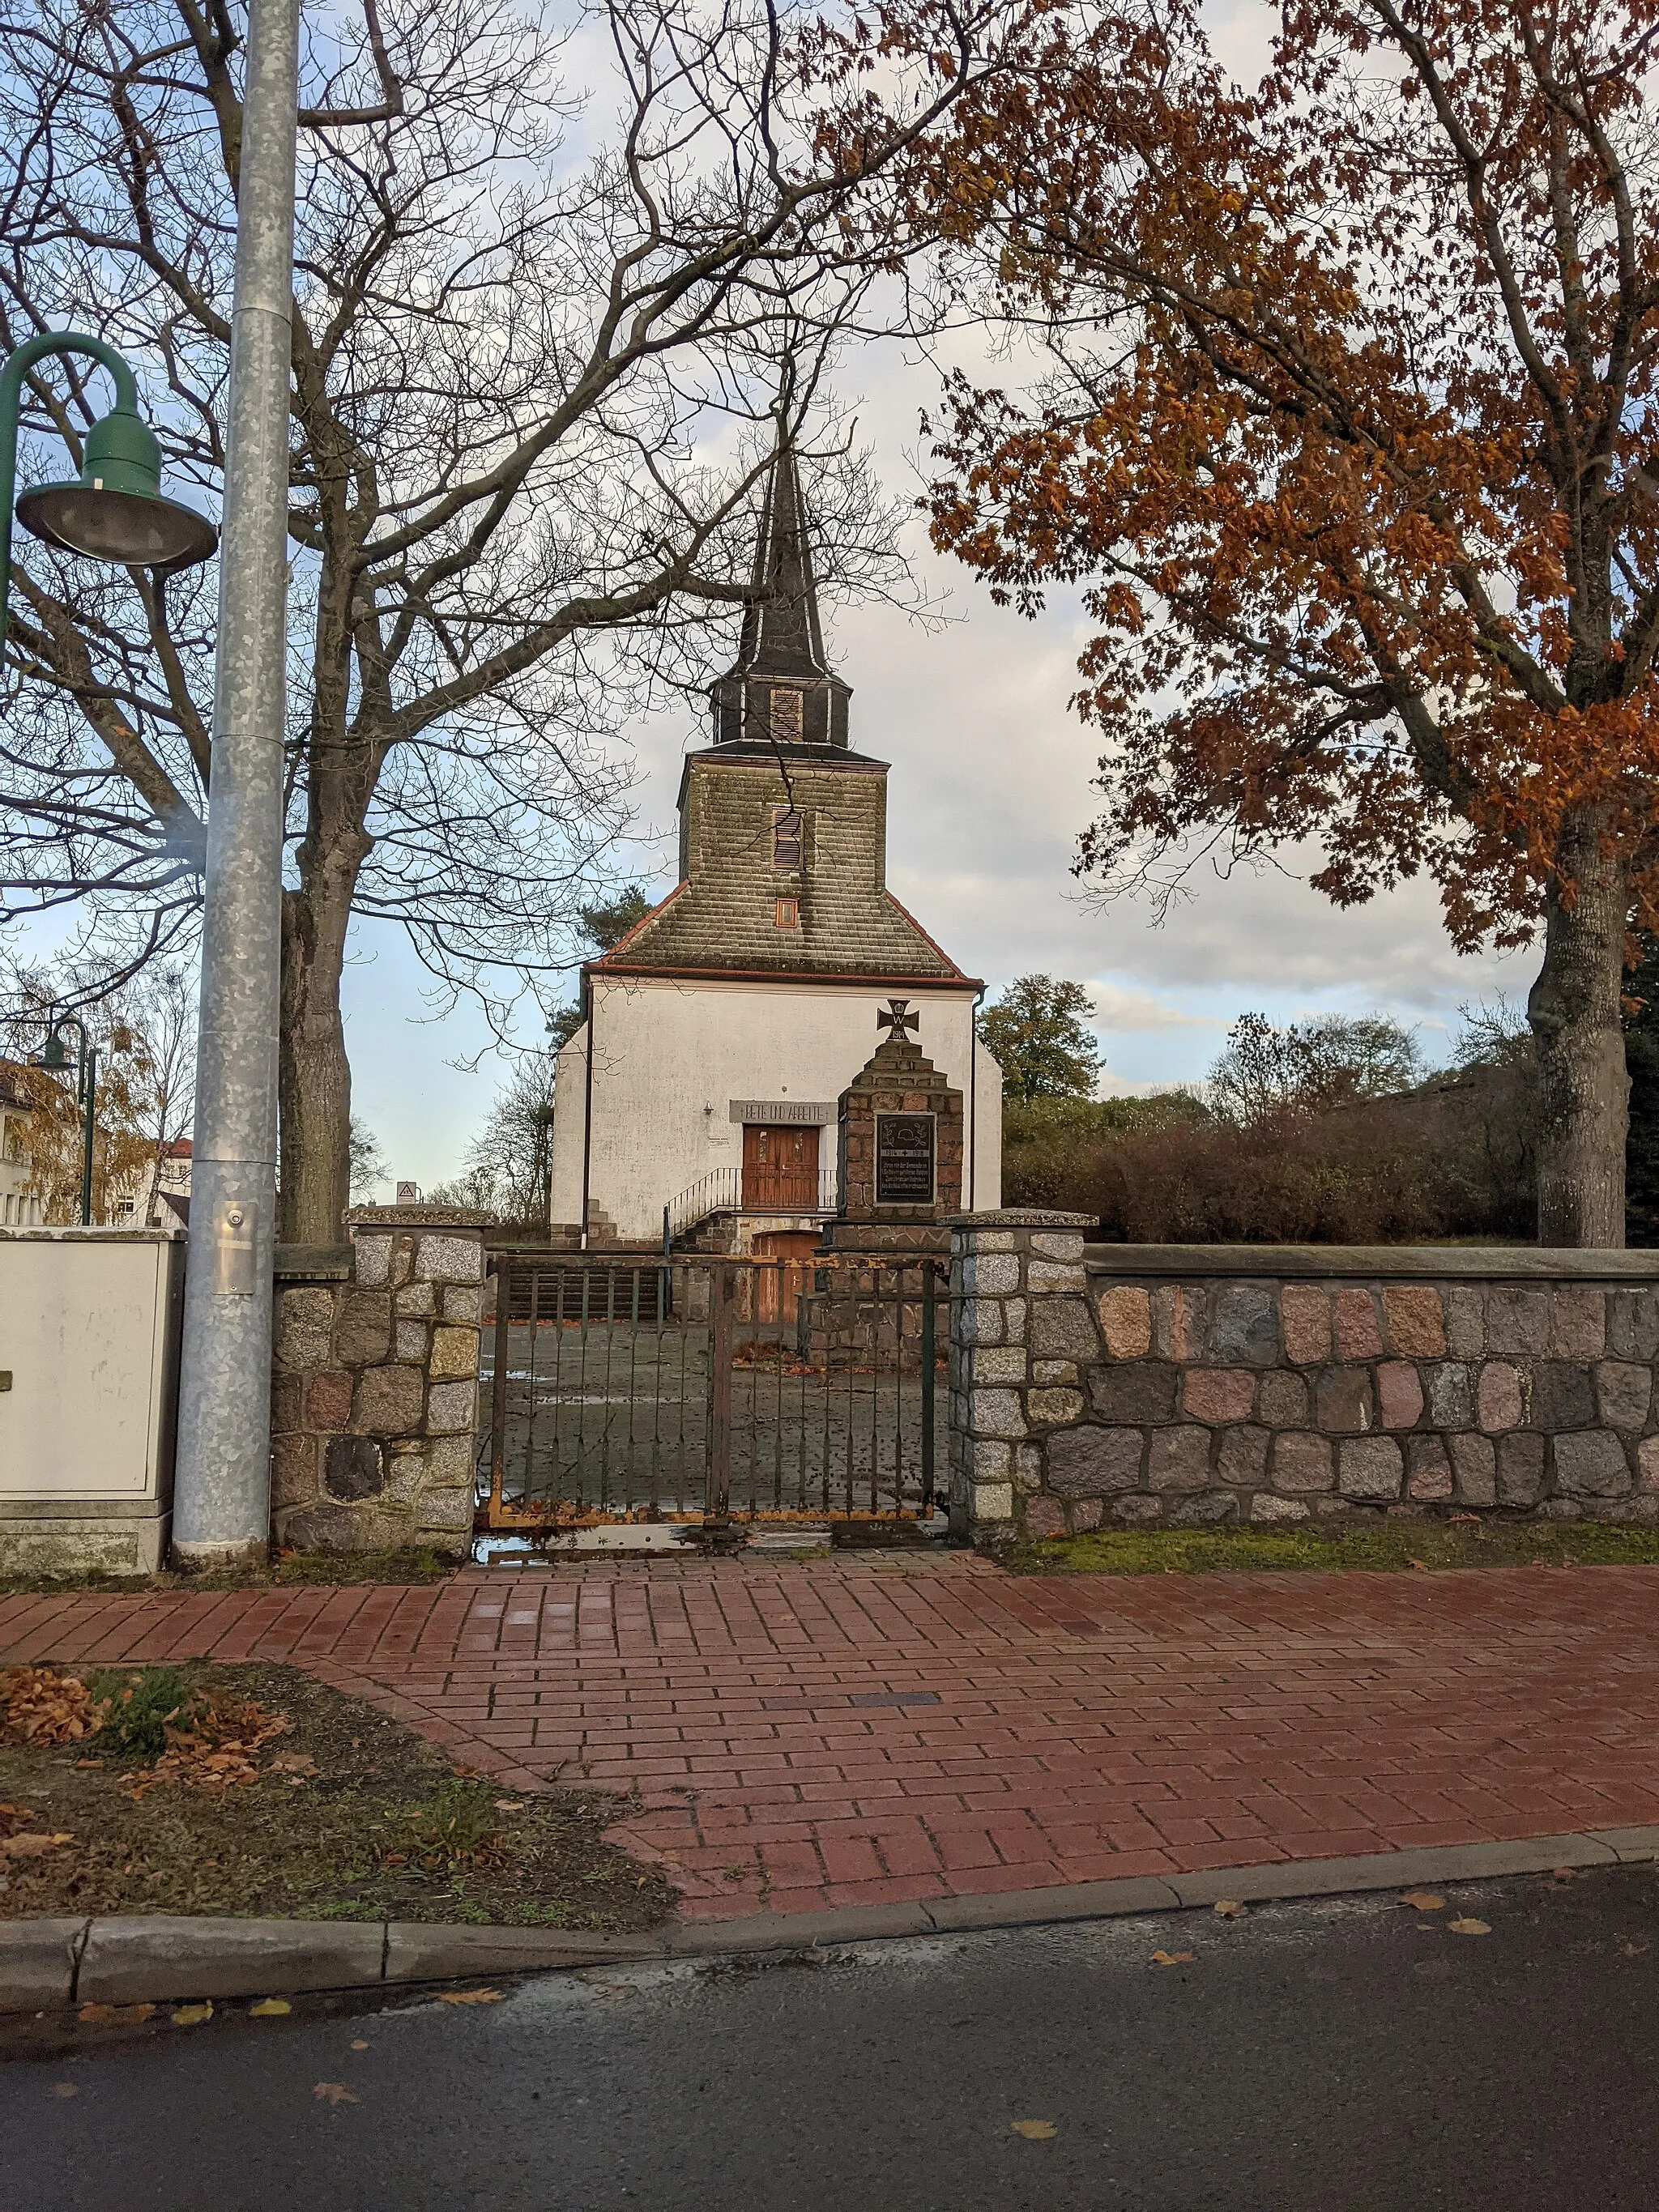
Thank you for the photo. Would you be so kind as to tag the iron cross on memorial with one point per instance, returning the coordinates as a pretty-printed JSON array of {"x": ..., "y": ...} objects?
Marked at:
[{"x": 898, "y": 1017}]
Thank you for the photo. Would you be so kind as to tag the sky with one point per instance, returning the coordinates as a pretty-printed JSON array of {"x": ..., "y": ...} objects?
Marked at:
[{"x": 990, "y": 786}]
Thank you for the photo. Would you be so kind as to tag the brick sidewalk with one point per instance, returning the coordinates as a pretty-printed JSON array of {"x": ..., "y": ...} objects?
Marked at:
[{"x": 770, "y": 1717}]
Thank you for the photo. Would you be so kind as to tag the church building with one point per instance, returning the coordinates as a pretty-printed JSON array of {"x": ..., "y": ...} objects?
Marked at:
[{"x": 704, "y": 1091}]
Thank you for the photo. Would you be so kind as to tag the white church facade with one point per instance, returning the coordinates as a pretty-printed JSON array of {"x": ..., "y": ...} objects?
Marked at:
[{"x": 700, "y": 1095}]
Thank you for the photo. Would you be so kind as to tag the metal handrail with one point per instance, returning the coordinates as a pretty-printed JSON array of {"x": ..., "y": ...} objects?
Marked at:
[{"x": 721, "y": 1191}]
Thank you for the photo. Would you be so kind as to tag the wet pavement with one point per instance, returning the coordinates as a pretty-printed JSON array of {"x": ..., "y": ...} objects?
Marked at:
[{"x": 1361, "y": 2054}]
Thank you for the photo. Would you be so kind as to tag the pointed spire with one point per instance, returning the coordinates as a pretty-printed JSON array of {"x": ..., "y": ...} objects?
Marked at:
[
  {"x": 780, "y": 689},
  {"x": 782, "y": 634}
]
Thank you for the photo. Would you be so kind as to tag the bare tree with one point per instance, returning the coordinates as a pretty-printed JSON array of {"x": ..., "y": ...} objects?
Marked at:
[
  {"x": 532, "y": 397},
  {"x": 159, "y": 1011}
]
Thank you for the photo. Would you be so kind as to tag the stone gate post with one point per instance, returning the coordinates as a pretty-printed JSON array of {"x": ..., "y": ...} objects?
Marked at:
[{"x": 1016, "y": 1276}]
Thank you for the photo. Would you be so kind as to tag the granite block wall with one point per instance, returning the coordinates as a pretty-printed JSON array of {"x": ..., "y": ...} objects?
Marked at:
[
  {"x": 374, "y": 1384},
  {"x": 1111, "y": 1385}
]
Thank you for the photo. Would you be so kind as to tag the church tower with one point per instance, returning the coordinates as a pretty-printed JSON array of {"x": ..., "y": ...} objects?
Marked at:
[
  {"x": 780, "y": 689},
  {"x": 723, "y": 1029}
]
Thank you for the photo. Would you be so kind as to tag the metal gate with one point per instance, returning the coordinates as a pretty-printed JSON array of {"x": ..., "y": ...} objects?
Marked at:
[{"x": 711, "y": 1390}]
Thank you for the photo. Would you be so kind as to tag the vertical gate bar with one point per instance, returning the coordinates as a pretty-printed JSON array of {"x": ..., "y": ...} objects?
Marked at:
[
  {"x": 684, "y": 1491},
  {"x": 658, "y": 1347},
  {"x": 879, "y": 1279},
  {"x": 852, "y": 1361},
  {"x": 777, "y": 1395},
  {"x": 498, "y": 1390},
  {"x": 827, "y": 1369},
  {"x": 719, "y": 1490},
  {"x": 602, "y": 1502},
  {"x": 631, "y": 1486},
  {"x": 585, "y": 1302},
  {"x": 532, "y": 1287},
  {"x": 898, "y": 1399},
  {"x": 929, "y": 1328}
]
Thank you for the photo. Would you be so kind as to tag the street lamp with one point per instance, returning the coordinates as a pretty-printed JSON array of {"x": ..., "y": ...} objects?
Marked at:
[
  {"x": 56, "y": 1060},
  {"x": 115, "y": 510}
]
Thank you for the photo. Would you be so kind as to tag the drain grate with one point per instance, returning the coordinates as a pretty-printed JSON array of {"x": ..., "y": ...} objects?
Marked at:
[{"x": 894, "y": 1698}]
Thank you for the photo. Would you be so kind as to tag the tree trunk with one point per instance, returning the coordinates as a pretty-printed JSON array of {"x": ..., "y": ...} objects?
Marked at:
[
  {"x": 314, "y": 1074},
  {"x": 1583, "y": 1091}
]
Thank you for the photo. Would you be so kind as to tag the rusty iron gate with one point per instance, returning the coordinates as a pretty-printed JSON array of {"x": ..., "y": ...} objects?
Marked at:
[{"x": 711, "y": 1390}]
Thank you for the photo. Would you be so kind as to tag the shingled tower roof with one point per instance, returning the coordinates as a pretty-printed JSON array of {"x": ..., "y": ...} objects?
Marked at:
[
  {"x": 783, "y": 828},
  {"x": 781, "y": 689}
]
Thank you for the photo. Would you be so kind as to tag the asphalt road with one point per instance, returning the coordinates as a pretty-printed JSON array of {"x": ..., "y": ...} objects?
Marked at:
[{"x": 1350, "y": 2056}]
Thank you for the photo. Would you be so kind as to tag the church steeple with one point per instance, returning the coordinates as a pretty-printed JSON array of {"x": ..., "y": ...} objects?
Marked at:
[{"x": 780, "y": 689}]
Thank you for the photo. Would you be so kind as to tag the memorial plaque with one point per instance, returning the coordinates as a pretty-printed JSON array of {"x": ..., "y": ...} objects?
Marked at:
[{"x": 904, "y": 1159}]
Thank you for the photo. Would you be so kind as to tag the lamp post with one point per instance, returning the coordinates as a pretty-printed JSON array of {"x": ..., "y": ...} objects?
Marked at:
[
  {"x": 222, "y": 1489},
  {"x": 55, "y": 1059},
  {"x": 114, "y": 510}
]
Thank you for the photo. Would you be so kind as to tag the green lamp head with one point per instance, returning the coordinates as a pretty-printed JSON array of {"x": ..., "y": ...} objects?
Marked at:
[
  {"x": 56, "y": 1055},
  {"x": 115, "y": 512}
]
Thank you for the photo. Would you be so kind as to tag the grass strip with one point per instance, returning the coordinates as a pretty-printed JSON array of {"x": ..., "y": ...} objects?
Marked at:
[
  {"x": 1385, "y": 1546},
  {"x": 350, "y": 1816}
]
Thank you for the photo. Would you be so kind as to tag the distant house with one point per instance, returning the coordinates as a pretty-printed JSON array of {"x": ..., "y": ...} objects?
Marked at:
[
  {"x": 19, "y": 1207},
  {"x": 172, "y": 1188}
]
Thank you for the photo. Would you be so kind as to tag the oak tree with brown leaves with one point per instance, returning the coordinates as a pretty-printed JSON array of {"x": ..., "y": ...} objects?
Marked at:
[{"x": 1351, "y": 437}]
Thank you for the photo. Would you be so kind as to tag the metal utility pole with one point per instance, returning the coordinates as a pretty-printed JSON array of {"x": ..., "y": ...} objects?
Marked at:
[{"x": 222, "y": 1497}]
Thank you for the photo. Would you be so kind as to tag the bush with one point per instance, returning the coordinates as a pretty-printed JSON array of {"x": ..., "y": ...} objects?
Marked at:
[{"x": 1450, "y": 1159}]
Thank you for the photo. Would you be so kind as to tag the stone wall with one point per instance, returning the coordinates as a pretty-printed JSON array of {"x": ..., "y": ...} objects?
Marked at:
[
  {"x": 375, "y": 1387},
  {"x": 1190, "y": 1385}
]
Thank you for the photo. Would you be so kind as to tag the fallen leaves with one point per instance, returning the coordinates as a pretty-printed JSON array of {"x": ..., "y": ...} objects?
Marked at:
[
  {"x": 192, "y": 2016},
  {"x": 293, "y": 1762},
  {"x": 1229, "y": 1908},
  {"x": 1033, "y": 2130},
  {"x": 1173, "y": 1958},
  {"x": 64, "y": 2089},
  {"x": 213, "y": 1744},
  {"x": 358, "y": 2044},
  {"x": 1465, "y": 1926},
  {"x": 40, "y": 1706},
  {"x": 109, "y": 2015},
  {"x": 1425, "y": 1900},
  {"x": 215, "y": 1750},
  {"x": 333, "y": 2093},
  {"x": 270, "y": 2008},
  {"x": 19, "y": 1841},
  {"x": 469, "y": 1996}
]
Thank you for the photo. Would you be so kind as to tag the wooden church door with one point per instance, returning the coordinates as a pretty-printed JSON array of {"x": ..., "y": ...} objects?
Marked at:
[{"x": 779, "y": 1170}]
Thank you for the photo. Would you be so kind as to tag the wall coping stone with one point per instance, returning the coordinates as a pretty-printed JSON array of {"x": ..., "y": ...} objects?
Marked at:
[
  {"x": 418, "y": 1216},
  {"x": 313, "y": 1263},
  {"x": 1020, "y": 1216},
  {"x": 1367, "y": 1262}
]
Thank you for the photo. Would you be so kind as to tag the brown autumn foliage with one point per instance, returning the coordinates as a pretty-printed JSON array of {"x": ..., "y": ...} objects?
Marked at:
[
  {"x": 1452, "y": 1159},
  {"x": 1349, "y": 439}
]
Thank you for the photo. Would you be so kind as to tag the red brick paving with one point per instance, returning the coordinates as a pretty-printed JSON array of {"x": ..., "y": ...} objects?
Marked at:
[{"x": 1085, "y": 1728}]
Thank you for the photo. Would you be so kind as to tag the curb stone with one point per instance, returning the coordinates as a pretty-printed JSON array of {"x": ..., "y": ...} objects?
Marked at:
[{"x": 132, "y": 1958}]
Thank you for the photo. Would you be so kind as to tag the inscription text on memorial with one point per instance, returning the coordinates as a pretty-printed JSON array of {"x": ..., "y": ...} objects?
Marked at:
[{"x": 904, "y": 1159}]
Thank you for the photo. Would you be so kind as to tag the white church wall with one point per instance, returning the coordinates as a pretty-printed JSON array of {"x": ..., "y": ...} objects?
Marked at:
[
  {"x": 669, "y": 1057},
  {"x": 570, "y": 1093},
  {"x": 986, "y": 1133}
]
